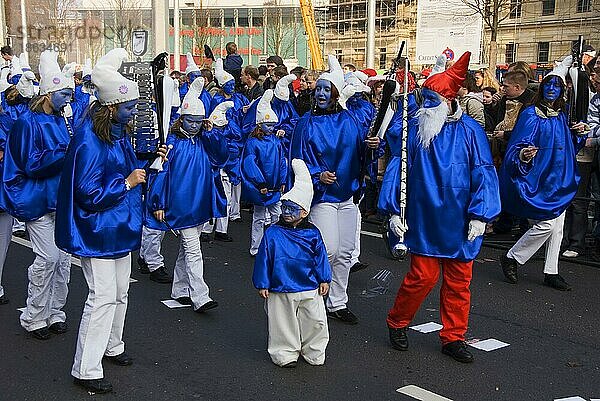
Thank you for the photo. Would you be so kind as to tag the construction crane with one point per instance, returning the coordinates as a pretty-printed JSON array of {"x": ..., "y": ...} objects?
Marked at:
[{"x": 308, "y": 17}]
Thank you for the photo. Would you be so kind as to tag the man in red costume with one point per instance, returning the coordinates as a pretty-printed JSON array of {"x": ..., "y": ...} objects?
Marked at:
[{"x": 452, "y": 194}]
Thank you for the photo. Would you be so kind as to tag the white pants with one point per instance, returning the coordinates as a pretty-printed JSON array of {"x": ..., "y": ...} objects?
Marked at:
[
  {"x": 236, "y": 194},
  {"x": 101, "y": 328},
  {"x": 48, "y": 275},
  {"x": 222, "y": 223},
  {"x": 6, "y": 222},
  {"x": 337, "y": 223},
  {"x": 297, "y": 326},
  {"x": 150, "y": 250},
  {"x": 188, "y": 275},
  {"x": 262, "y": 217},
  {"x": 549, "y": 232},
  {"x": 356, "y": 250}
]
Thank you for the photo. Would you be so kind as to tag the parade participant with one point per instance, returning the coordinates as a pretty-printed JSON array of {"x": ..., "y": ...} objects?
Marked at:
[
  {"x": 16, "y": 98},
  {"x": 452, "y": 193},
  {"x": 33, "y": 158},
  {"x": 227, "y": 92},
  {"x": 192, "y": 72},
  {"x": 332, "y": 143},
  {"x": 100, "y": 215},
  {"x": 6, "y": 220},
  {"x": 84, "y": 91},
  {"x": 264, "y": 169},
  {"x": 181, "y": 196},
  {"x": 292, "y": 274},
  {"x": 223, "y": 123},
  {"x": 539, "y": 176},
  {"x": 285, "y": 110}
]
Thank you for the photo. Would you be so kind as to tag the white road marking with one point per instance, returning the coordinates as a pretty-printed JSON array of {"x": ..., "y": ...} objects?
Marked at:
[
  {"x": 419, "y": 393},
  {"x": 370, "y": 234},
  {"x": 21, "y": 241}
]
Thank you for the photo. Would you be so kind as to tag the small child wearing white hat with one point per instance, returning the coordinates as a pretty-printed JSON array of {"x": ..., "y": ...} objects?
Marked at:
[{"x": 292, "y": 273}]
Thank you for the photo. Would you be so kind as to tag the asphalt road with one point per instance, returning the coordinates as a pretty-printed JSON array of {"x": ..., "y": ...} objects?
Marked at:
[{"x": 554, "y": 347}]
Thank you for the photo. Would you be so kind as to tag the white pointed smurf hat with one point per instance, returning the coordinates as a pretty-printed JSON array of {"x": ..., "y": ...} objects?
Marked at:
[
  {"x": 221, "y": 75},
  {"x": 282, "y": 87},
  {"x": 335, "y": 75},
  {"x": 562, "y": 68},
  {"x": 264, "y": 112},
  {"x": 191, "y": 64},
  {"x": 302, "y": 191},
  {"x": 111, "y": 86},
  {"x": 192, "y": 105},
  {"x": 218, "y": 117},
  {"x": 52, "y": 77}
]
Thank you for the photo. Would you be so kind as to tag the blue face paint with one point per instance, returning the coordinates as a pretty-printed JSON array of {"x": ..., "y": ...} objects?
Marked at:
[
  {"x": 552, "y": 89},
  {"x": 59, "y": 99},
  {"x": 323, "y": 94},
  {"x": 229, "y": 87},
  {"x": 125, "y": 111},
  {"x": 430, "y": 98},
  {"x": 191, "y": 124},
  {"x": 267, "y": 128},
  {"x": 193, "y": 75},
  {"x": 290, "y": 211}
]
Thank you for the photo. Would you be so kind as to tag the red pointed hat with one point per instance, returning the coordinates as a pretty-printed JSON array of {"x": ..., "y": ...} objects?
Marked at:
[{"x": 448, "y": 83}]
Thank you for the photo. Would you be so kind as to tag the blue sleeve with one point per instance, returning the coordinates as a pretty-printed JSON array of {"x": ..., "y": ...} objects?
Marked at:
[
  {"x": 215, "y": 145},
  {"x": 301, "y": 149},
  {"x": 322, "y": 267},
  {"x": 157, "y": 193},
  {"x": 36, "y": 159},
  {"x": 484, "y": 204},
  {"x": 250, "y": 170},
  {"x": 283, "y": 166},
  {"x": 263, "y": 265},
  {"x": 523, "y": 135},
  {"x": 96, "y": 188}
]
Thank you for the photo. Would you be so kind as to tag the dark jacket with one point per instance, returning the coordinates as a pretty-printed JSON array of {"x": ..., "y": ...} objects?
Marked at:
[
  {"x": 233, "y": 65},
  {"x": 255, "y": 92}
]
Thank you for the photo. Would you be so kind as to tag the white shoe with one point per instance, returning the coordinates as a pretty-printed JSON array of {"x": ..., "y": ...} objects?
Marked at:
[{"x": 570, "y": 254}]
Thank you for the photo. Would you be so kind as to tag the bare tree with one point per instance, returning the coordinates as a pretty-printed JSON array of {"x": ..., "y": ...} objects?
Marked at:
[
  {"x": 493, "y": 13},
  {"x": 281, "y": 30},
  {"x": 121, "y": 18}
]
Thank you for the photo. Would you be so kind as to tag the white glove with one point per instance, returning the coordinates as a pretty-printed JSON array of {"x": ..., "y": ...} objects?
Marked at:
[
  {"x": 476, "y": 229},
  {"x": 398, "y": 226}
]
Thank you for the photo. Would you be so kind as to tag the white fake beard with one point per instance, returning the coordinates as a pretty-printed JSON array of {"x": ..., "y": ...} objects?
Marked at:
[{"x": 431, "y": 121}]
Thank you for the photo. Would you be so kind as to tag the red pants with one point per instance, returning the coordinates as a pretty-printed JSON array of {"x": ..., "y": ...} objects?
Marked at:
[{"x": 455, "y": 296}]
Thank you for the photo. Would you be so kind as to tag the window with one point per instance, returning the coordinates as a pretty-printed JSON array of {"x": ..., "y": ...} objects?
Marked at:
[
  {"x": 338, "y": 55},
  {"x": 515, "y": 8},
  {"x": 382, "y": 58},
  {"x": 584, "y": 6},
  {"x": 511, "y": 53},
  {"x": 548, "y": 7},
  {"x": 543, "y": 52}
]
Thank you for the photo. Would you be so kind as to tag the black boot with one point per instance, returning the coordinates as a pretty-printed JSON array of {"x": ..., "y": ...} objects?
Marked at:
[
  {"x": 142, "y": 265},
  {"x": 557, "y": 282},
  {"x": 509, "y": 268},
  {"x": 98, "y": 386},
  {"x": 458, "y": 351},
  {"x": 160, "y": 275},
  {"x": 398, "y": 338}
]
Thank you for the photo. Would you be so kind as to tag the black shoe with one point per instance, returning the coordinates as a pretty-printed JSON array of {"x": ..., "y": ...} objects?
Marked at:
[
  {"x": 223, "y": 237},
  {"x": 142, "y": 265},
  {"x": 41, "y": 334},
  {"x": 184, "y": 300},
  {"x": 98, "y": 386},
  {"x": 236, "y": 220},
  {"x": 358, "y": 266},
  {"x": 458, "y": 351},
  {"x": 204, "y": 237},
  {"x": 19, "y": 233},
  {"x": 557, "y": 282},
  {"x": 292, "y": 364},
  {"x": 399, "y": 339},
  {"x": 207, "y": 306},
  {"x": 344, "y": 315},
  {"x": 122, "y": 359},
  {"x": 58, "y": 328},
  {"x": 4, "y": 300},
  {"x": 160, "y": 275},
  {"x": 509, "y": 268}
]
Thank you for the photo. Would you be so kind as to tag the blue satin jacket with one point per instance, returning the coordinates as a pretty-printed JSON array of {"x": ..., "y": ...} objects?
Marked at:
[
  {"x": 80, "y": 103},
  {"x": 363, "y": 110},
  {"x": 97, "y": 216},
  {"x": 335, "y": 143},
  {"x": 544, "y": 188},
  {"x": 235, "y": 144},
  {"x": 287, "y": 119},
  {"x": 186, "y": 189},
  {"x": 291, "y": 259},
  {"x": 33, "y": 160},
  {"x": 263, "y": 166},
  {"x": 449, "y": 184},
  {"x": 17, "y": 110}
]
